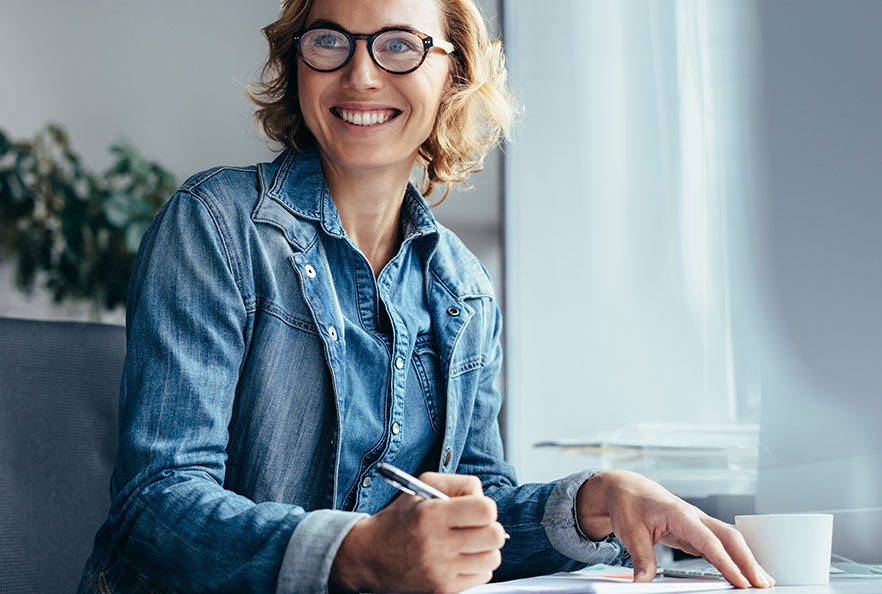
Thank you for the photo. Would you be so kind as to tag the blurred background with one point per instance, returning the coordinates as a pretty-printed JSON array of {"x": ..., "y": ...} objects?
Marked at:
[
  {"x": 683, "y": 230},
  {"x": 167, "y": 79}
]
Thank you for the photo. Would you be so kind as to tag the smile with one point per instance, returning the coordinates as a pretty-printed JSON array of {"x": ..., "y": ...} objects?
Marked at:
[{"x": 366, "y": 118}]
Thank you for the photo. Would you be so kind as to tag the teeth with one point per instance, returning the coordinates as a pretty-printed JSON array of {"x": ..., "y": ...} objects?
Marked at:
[{"x": 365, "y": 118}]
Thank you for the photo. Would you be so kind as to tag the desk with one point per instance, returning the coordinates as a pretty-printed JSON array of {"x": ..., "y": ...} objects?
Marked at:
[{"x": 836, "y": 586}]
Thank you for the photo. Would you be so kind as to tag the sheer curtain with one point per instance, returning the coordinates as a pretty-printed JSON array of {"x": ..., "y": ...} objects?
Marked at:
[{"x": 628, "y": 195}]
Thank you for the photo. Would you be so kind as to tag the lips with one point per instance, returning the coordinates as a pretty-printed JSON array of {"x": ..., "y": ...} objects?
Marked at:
[{"x": 365, "y": 117}]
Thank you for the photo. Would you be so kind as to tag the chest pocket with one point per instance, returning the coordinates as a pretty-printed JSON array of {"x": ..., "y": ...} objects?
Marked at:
[{"x": 427, "y": 367}]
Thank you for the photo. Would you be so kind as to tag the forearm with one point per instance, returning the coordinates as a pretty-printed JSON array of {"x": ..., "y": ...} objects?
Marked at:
[{"x": 185, "y": 531}]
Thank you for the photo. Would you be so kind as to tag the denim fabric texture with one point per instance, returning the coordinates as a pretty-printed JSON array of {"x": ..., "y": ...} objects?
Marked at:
[{"x": 239, "y": 413}]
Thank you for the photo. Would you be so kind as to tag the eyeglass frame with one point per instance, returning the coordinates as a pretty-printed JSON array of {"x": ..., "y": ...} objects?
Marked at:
[{"x": 428, "y": 43}]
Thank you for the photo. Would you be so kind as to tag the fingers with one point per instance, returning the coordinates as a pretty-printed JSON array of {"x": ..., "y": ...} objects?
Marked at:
[
  {"x": 465, "y": 511},
  {"x": 724, "y": 548},
  {"x": 466, "y": 581},
  {"x": 431, "y": 545},
  {"x": 479, "y": 540},
  {"x": 643, "y": 513},
  {"x": 711, "y": 548},
  {"x": 738, "y": 551},
  {"x": 455, "y": 485},
  {"x": 638, "y": 541},
  {"x": 473, "y": 563}
]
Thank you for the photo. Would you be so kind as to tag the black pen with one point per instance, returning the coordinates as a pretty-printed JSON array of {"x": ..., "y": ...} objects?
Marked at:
[{"x": 407, "y": 483}]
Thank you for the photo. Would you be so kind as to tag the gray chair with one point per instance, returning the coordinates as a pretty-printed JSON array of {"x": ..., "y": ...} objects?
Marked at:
[{"x": 59, "y": 388}]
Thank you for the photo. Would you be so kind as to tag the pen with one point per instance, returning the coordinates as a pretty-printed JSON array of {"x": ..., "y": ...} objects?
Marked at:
[{"x": 407, "y": 483}]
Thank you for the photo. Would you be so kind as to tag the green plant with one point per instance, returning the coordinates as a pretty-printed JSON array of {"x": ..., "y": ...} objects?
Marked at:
[{"x": 74, "y": 231}]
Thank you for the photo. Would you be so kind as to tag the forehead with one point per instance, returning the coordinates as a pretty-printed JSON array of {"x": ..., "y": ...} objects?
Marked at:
[{"x": 367, "y": 16}]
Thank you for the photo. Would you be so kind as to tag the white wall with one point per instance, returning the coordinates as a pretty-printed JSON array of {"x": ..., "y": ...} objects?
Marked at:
[{"x": 167, "y": 76}]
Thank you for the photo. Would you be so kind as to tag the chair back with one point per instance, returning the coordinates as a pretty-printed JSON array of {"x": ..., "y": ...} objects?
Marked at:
[{"x": 59, "y": 389}]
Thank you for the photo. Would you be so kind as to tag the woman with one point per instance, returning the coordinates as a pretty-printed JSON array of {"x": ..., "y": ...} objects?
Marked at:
[{"x": 293, "y": 324}]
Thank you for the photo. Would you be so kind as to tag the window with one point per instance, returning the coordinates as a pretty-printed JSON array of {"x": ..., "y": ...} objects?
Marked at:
[{"x": 627, "y": 193}]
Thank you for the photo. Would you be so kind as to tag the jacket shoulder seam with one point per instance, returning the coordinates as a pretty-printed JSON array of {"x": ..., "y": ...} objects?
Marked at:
[{"x": 232, "y": 262}]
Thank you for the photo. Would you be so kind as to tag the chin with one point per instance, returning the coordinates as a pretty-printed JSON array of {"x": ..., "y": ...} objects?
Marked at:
[{"x": 367, "y": 157}]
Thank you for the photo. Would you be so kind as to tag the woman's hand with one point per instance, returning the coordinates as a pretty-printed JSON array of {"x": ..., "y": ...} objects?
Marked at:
[
  {"x": 417, "y": 545},
  {"x": 642, "y": 513}
]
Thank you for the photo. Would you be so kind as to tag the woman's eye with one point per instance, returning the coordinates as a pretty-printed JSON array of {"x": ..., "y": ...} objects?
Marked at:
[
  {"x": 398, "y": 46},
  {"x": 326, "y": 41}
]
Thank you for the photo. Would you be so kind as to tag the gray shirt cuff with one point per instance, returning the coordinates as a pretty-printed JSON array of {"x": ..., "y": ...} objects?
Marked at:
[
  {"x": 563, "y": 530},
  {"x": 306, "y": 566}
]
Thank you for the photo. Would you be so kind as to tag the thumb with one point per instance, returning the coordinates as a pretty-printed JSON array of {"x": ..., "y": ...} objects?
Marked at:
[
  {"x": 455, "y": 485},
  {"x": 643, "y": 558}
]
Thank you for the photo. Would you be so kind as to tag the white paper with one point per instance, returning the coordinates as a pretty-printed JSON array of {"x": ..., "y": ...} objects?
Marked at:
[{"x": 580, "y": 583}]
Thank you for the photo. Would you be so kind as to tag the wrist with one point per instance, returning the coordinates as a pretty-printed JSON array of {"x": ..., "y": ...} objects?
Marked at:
[
  {"x": 351, "y": 569},
  {"x": 592, "y": 507}
]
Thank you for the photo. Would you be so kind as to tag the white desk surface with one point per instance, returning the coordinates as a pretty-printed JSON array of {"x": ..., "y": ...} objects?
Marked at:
[{"x": 836, "y": 586}]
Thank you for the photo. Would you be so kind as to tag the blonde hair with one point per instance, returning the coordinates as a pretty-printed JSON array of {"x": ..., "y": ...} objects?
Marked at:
[{"x": 472, "y": 119}]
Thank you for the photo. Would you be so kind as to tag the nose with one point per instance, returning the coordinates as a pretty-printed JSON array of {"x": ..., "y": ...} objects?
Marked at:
[{"x": 361, "y": 74}]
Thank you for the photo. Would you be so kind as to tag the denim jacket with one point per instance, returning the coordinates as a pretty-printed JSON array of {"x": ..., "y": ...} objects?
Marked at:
[{"x": 230, "y": 410}]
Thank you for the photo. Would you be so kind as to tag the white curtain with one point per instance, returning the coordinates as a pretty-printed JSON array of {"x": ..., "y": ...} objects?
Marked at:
[{"x": 628, "y": 191}]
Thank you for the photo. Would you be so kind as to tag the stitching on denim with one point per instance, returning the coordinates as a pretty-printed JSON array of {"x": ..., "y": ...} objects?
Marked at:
[
  {"x": 428, "y": 394},
  {"x": 470, "y": 365},
  {"x": 281, "y": 228},
  {"x": 358, "y": 287},
  {"x": 208, "y": 174},
  {"x": 230, "y": 258},
  {"x": 425, "y": 343},
  {"x": 292, "y": 320}
]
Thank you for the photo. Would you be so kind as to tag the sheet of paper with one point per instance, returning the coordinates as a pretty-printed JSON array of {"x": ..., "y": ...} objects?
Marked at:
[{"x": 582, "y": 583}]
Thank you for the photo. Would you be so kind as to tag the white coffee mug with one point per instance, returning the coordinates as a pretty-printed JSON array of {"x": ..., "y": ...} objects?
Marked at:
[{"x": 793, "y": 548}]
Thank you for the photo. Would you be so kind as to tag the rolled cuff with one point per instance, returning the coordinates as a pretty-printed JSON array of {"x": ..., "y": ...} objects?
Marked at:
[
  {"x": 306, "y": 566},
  {"x": 563, "y": 530}
]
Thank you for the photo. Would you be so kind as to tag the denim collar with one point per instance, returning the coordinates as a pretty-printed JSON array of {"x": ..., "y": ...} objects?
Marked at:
[
  {"x": 293, "y": 184},
  {"x": 300, "y": 186}
]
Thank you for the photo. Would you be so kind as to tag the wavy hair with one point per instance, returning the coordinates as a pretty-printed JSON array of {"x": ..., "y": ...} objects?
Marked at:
[{"x": 471, "y": 120}]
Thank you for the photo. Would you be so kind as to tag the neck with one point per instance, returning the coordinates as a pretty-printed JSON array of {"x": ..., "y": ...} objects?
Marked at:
[{"x": 369, "y": 202}]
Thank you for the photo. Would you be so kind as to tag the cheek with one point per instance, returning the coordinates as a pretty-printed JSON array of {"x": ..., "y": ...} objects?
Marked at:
[
  {"x": 430, "y": 93},
  {"x": 308, "y": 93}
]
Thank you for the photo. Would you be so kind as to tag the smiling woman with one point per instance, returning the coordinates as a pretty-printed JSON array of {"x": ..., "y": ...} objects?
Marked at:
[
  {"x": 477, "y": 109},
  {"x": 295, "y": 324}
]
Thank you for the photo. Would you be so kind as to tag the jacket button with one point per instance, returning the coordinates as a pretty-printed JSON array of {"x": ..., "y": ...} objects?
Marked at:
[
  {"x": 366, "y": 482},
  {"x": 310, "y": 271},
  {"x": 332, "y": 332},
  {"x": 447, "y": 457},
  {"x": 454, "y": 311},
  {"x": 399, "y": 363},
  {"x": 396, "y": 428}
]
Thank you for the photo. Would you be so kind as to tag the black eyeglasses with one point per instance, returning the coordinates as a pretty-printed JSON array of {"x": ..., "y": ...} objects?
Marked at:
[{"x": 396, "y": 50}]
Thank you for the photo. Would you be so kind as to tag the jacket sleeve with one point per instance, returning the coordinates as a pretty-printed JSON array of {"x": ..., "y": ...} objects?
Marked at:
[
  {"x": 171, "y": 518},
  {"x": 539, "y": 516}
]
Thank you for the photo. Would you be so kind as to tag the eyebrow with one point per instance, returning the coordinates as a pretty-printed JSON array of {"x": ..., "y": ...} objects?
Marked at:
[{"x": 334, "y": 24}]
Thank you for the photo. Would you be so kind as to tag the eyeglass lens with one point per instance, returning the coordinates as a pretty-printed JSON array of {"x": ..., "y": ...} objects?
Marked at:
[{"x": 395, "y": 50}]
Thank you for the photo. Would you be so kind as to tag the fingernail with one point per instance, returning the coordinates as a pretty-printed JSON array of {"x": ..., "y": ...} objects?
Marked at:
[{"x": 764, "y": 578}]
